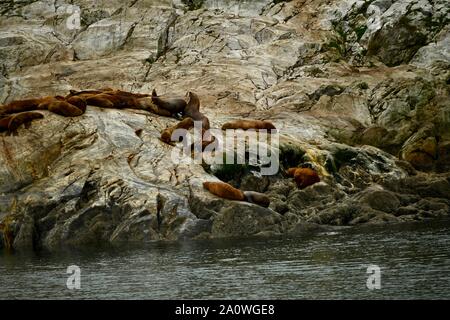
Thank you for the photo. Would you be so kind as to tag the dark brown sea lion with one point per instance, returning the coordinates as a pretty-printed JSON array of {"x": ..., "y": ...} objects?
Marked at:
[
  {"x": 55, "y": 104},
  {"x": 109, "y": 98},
  {"x": 87, "y": 92},
  {"x": 23, "y": 118},
  {"x": 192, "y": 110},
  {"x": 12, "y": 122},
  {"x": 173, "y": 105}
]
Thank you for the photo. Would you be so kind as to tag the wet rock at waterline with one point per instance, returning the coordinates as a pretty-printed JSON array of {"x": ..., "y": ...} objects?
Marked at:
[{"x": 369, "y": 112}]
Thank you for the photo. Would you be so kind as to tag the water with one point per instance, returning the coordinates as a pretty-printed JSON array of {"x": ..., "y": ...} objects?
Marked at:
[{"x": 414, "y": 261}]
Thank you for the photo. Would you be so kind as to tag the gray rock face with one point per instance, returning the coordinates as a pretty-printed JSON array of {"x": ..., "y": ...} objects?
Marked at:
[
  {"x": 393, "y": 31},
  {"x": 358, "y": 90}
]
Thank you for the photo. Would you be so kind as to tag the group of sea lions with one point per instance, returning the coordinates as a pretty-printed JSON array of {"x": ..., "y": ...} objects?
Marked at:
[
  {"x": 303, "y": 177},
  {"x": 16, "y": 113}
]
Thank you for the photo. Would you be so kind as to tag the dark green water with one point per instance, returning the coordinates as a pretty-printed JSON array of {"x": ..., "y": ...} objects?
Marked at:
[{"x": 414, "y": 261}]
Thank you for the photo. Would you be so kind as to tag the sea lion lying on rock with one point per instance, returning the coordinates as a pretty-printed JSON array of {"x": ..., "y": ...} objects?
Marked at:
[
  {"x": 71, "y": 107},
  {"x": 249, "y": 124},
  {"x": 12, "y": 122},
  {"x": 227, "y": 191},
  {"x": 304, "y": 177},
  {"x": 109, "y": 98}
]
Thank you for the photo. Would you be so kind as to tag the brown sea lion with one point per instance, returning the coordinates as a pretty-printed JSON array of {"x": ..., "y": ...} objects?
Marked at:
[
  {"x": 192, "y": 110},
  {"x": 249, "y": 124},
  {"x": 304, "y": 177},
  {"x": 174, "y": 105},
  {"x": 24, "y": 105},
  {"x": 78, "y": 102},
  {"x": 148, "y": 105},
  {"x": 120, "y": 99},
  {"x": 4, "y": 123},
  {"x": 112, "y": 99},
  {"x": 55, "y": 104},
  {"x": 166, "y": 135},
  {"x": 224, "y": 190},
  {"x": 87, "y": 92},
  {"x": 12, "y": 122},
  {"x": 23, "y": 118},
  {"x": 227, "y": 191}
]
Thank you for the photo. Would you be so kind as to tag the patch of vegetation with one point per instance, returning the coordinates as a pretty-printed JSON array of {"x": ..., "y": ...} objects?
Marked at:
[
  {"x": 6, "y": 233},
  {"x": 363, "y": 85},
  {"x": 150, "y": 60},
  {"x": 231, "y": 171},
  {"x": 278, "y": 1},
  {"x": 228, "y": 172},
  {"x": 341, "y": 157},
  {"x": 338, "y": 41},
  {"x": 315, "y": 72},
  {"x": 360, "y": 31},
  {"x": 89, "y": 17},
  {"x": 291, "y": 155},
  {"x": 193, "y": 4}
]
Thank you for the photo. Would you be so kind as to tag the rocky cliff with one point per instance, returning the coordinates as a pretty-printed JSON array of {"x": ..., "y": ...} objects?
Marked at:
[{"x": 359, "y": 90}]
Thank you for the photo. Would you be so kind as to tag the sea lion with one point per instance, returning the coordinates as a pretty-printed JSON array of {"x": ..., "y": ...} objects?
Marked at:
[
  {"x": 24, "y": 105},
  {"x": 227, "y": 191},
  {"x": 56, "y": 104},
  {"x": 192, "y": 110},
  {"x": 166, "y": 134},
  {"x": 224, "y": 190},
  {"x": 4, "y": 122},
  {"x": 86, "y": 92},
  {"x": 89, "y": 93},
  {"x": 148, "y": 105},
  {"x": 173, "y": 105},
  {"x": 78, "y": 102},
  {"x": 249, "y": 124},
  {"x": 12, "y": 122},
  {"x": 257, "y": 198},
  {"x": 304, "y": 177},
  {"x": 109, "y": 98},
  {"x": 22, "y": 118}
]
